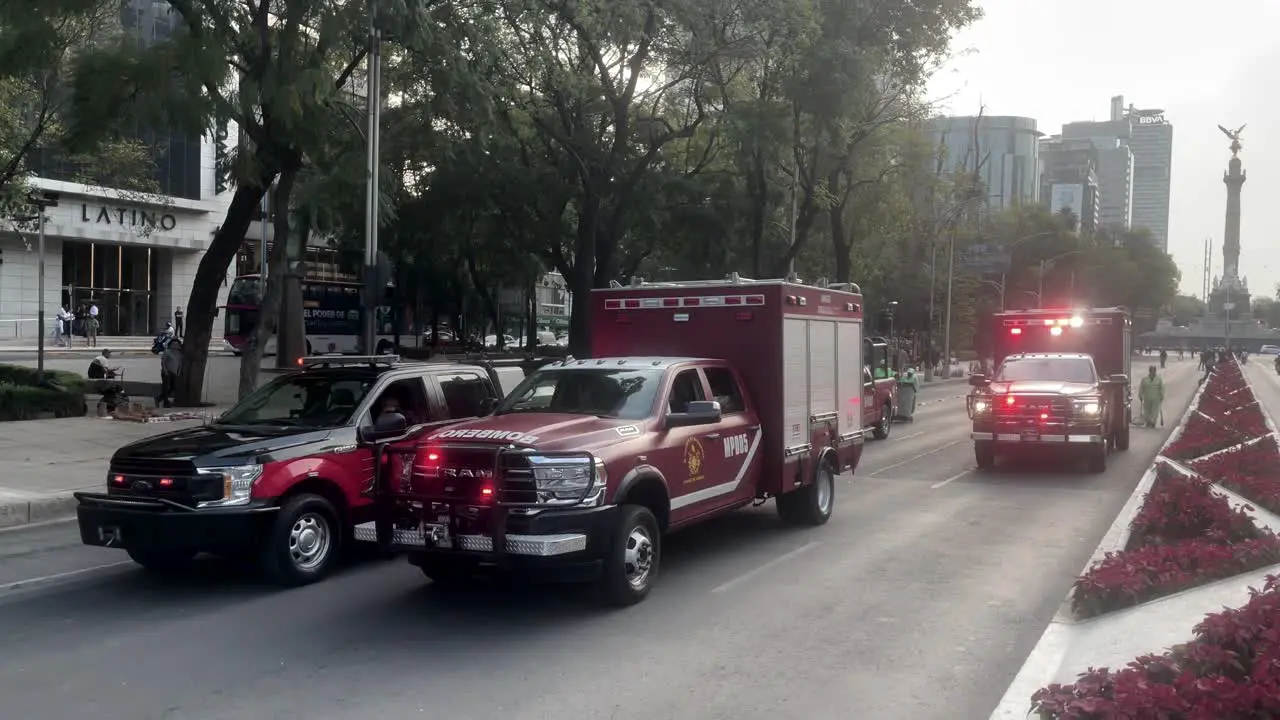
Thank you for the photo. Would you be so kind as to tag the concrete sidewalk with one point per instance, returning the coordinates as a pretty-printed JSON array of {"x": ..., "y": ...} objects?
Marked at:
[{"x": 45, "y": 461}]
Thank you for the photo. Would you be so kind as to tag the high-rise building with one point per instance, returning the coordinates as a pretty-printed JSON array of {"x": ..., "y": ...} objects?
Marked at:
[
  {"x": 133, "y": 255},
  {"x": 1004, "y": 150},
  {"x": 1069, "y": 181},
  {"x": 1135, "y": 159},
  {"x": 1151, "y": 141}
]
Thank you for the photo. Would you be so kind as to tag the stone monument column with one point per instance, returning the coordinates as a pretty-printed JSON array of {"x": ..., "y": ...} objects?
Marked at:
[{"x": 1234, "y": 179}]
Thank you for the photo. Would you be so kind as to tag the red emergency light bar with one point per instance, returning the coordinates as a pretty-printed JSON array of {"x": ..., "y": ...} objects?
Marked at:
[{"x": 1054, "y": 330}]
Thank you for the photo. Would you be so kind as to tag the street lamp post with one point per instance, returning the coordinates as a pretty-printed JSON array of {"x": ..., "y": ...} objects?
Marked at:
[
  {"x": 893, "y": 310},
  {"x": 42, "y": 201},
  {"x": 373, "y": 93}
]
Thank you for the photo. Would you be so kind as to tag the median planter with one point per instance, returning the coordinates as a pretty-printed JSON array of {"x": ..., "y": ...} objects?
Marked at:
[
  {"x": 1203, "y": 533},
  {"x": 21, "y": 398}
]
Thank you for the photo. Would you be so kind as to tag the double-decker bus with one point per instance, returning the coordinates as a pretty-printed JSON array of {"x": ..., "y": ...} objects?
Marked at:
[{"x": 332, "y": 312}]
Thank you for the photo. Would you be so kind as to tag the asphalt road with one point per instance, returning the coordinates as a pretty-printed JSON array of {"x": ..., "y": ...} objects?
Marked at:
[{"x": 920, "y": 599}]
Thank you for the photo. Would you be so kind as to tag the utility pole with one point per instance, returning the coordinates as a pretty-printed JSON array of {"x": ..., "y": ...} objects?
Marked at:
[
  {"x": 951, "y": 271},
  {"x": 373, "y": 92},
  {"x": 42, "y": 200},
  {"x": 933, "y": 274}
]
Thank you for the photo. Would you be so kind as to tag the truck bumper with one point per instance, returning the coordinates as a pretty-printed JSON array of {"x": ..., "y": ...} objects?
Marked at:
[
  {"x": 155, "y": 525},
  {"x": 1023, "y": 438},
  {"x": 552, "y": 542}
]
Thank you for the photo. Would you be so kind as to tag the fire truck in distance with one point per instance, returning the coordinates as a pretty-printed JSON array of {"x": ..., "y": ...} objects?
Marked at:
[
  {"x": 700, "y": 398},
  {"x": 1062, "y": 380}
]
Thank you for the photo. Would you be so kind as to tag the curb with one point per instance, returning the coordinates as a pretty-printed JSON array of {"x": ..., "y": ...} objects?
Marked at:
[
  {"x": 1051, "y": 649},
  {"x": 15, "y": 513}
]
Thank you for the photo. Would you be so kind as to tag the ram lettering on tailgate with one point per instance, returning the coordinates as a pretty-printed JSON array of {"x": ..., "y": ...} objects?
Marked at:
[{"x": 736, "y": 445}]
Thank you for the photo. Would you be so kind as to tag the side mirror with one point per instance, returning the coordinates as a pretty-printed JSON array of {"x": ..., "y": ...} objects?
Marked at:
[
  {"x": 387, "y": 425},
  {"x": 978, "y": 380},
  {"x": 1119, "y": 379},
  {"x": 699, "y": 412},
  {"x": 488, "y": 405}
]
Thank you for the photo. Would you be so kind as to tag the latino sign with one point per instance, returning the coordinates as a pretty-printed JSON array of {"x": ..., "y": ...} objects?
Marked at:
[{"x": 127, "y": 217}]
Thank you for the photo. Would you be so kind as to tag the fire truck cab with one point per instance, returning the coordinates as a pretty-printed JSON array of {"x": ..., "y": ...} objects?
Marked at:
[
  {"x": 1062, "y": 380},
  {"x": 700, "y": 398}
]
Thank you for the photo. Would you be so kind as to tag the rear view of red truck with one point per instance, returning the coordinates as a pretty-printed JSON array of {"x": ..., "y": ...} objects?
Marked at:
[{"x": 700, "y": 398}]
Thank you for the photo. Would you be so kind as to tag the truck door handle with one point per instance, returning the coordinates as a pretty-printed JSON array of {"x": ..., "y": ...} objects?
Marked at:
[{"x": 713, "y": 436}]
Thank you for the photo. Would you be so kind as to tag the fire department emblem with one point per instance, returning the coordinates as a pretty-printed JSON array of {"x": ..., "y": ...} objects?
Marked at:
[{"x": 693, "y": 459}]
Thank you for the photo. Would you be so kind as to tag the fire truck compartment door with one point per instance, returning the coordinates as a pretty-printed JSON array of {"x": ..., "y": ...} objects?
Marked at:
[
  {"x": 849, "y": 366},
  {"x": 795, "y": 382}
]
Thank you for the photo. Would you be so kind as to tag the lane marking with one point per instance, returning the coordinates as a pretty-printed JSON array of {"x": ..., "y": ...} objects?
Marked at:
[
  {"x": 913, "y": 458},
  {"x": 45, "y": 579},
  {"x": 949, "y": 480},
  {"x": 907, "y": 437},
  {"x": 762, "y": 568}
]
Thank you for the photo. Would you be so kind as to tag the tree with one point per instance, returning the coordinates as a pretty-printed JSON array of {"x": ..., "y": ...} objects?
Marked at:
[
  {"x": 39, "y": 44},
  {"x": 1184, "y": 309}
]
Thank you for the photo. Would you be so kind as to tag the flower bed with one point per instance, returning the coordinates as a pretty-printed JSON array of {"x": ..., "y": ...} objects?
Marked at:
[
  {"x": 1231, "y": 669},
  {"x": 1252, "y": 471},
  {"x": 1183, "y": 536}
]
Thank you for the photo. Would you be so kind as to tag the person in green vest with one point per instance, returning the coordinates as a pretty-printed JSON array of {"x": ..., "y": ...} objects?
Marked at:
[{"x": 1151, "y": 395}]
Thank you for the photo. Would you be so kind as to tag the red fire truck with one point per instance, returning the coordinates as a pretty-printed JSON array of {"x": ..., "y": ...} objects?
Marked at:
[
  {"x": 1062, "y": 379},
  {"x": 700, "y": 398}
]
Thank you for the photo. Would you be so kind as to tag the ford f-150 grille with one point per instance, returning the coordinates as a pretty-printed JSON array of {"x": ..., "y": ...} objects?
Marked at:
[{"x": 175, "y": 480}]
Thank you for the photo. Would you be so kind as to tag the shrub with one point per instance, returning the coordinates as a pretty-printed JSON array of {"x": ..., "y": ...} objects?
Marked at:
[
  {"x": 1182, "y": 508},
  {"x": 1183, "y": 536},
  {"x": 1202, "y": 436},
  {"x": 21, "y": 399},
  {"x": 1252, "y": 471},
  {"x": 1216, "y": 406},
  {"x": 1231, "y": 669}
]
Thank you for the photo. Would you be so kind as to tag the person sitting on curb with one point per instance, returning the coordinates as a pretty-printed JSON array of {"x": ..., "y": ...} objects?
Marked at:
[
  {"x": 101, "y": 372},
  {"x": 1151, "y": 395}
]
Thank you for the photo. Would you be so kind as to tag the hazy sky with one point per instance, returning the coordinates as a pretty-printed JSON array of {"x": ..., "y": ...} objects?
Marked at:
[{"x": 1205, "y": 63}]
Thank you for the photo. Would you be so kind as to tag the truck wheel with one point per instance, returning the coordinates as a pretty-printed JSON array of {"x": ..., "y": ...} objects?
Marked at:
[
  {"x": 632, "y": 563},
  {"x": 163, "y": 562},
  {"x": 812, "y": 504},
  {"x": 302, "y": 543},
  {"x": 984, "y": 454},
  {"x": 1122, "y": 436},
  {"x": 1098, "y": 459},
  {"x": 882, "y": 428}
]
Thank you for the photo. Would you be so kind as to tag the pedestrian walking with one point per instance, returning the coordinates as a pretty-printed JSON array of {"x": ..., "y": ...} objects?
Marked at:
[
  {"x": 1151, "y": 395},
  {"x": 1164, "y": 357},
  {"x": 91, "y": 326},
  {"x": 178, "y": 317},
  {"x": 170, "y": 363},
  {"x": 62, "y": 327}
]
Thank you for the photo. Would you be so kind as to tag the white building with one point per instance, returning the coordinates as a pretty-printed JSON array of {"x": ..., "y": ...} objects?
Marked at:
[{"x": 134, "y": 257}]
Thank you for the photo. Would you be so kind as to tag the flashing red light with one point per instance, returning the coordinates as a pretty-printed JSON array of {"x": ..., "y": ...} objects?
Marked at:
[
  {"x": 166, "y": 482},
  {"x": 118, "y": 479},
  {"x": 1044, "y": 416},
  {"x": 487, "y": 492},
  {"x": 1055, "y": 330},
  {"x": 433, "y": 457},
  {"x": 1009, "y": 400},
  {"x": 1015, "y": 331},
  {"x": 299, "y": 362}
]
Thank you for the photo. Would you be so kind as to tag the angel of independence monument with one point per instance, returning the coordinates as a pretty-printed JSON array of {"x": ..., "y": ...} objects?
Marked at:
[{"x": 1228, "y": 320}]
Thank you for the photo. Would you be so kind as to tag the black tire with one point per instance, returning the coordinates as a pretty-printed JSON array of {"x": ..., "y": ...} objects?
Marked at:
[
  {"x": 303, "y": 543},
  {"x": 882, "y": 429},
  {"x": 633, "y": 562},
  {"x": 811, "y": 505},
  {"x": 163, "y": 562},
  {"x": 1097, "y": 459},
  {"x": 984, "y": 455},
  {"x": 1122, "y": 435}
]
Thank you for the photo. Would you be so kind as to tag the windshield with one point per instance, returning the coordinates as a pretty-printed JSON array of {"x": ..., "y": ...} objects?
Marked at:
[
  {"x": 245, "y": 291},
  {"x": 1056, "y": 369},
  {"x": 301, "y": 401},
  {"x": 626, "y": 394}
]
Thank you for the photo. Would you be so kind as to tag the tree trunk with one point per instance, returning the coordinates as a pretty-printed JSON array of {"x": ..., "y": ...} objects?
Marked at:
[
  {"x": 269, "y": 314},
  {"x": 202, "y": 305},
  {"x": 582, "y": 279},
  {"x": 840, "y": 245},
  {"x": 292, "y": 341}
]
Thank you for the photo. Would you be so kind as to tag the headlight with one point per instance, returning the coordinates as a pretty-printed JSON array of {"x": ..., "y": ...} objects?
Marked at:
[
  {"x": 237, "y": 484},
  {"x": 562, "y": 480},
  {"x": 981, "y": 406},
  {"x": 1088, "y": 407}
]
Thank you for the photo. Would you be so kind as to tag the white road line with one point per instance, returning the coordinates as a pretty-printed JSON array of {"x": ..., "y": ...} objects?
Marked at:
[
  {"x": 753, "y": 573},
  {"x": 944, "y": 483},
  {"x": 45, "y": 579},
  {"x": 913, "y": 458},
  {"x": 907, "y": 437}
]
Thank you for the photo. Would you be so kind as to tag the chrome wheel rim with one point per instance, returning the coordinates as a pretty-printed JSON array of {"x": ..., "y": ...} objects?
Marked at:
[
  {"x": 637, "y": 560},
  {"x": 826, "y": 490},
  {"x": 309, "y": 541}
]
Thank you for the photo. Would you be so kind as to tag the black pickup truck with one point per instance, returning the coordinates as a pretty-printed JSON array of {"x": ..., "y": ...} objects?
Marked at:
[{"x": 280, "y": 477}]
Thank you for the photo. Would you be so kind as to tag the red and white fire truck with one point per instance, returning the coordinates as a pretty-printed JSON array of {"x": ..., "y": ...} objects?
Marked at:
[
  {"x": 1062, "y": 380},
  {"x": 700, "y": 398}
]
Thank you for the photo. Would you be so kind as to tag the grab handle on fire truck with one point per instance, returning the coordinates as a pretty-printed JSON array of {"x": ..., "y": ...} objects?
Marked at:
[
  {"x": 796, "y": 450},
  {"x": 824, "y": 417}
]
